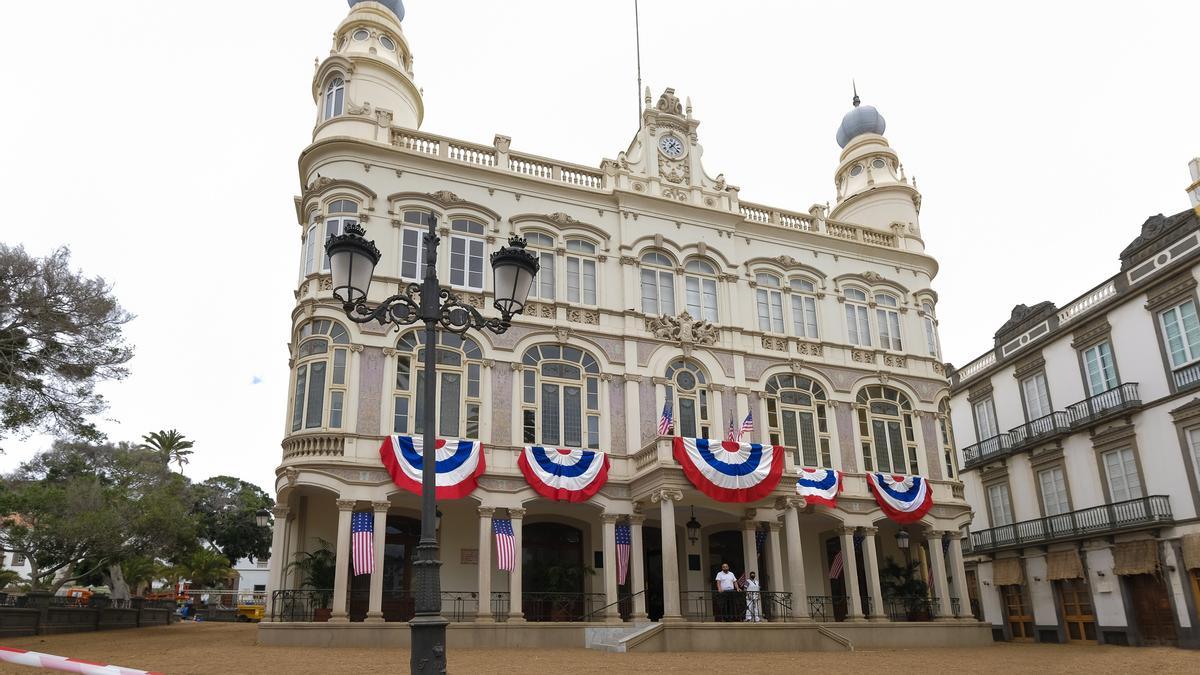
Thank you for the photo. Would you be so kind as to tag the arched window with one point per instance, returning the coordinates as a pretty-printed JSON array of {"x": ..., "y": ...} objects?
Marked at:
[
  {"x": 947, "y": 435},
  {"x": 459, "y": 364},
  {"x": 770, "y": 303},
  {"x": 858, "y": 330},
  {"x": 797, "y": 418},
  {"x": 658, "y": 284},
  {"x": 466, "y": 254},
  {"x": 320, "y": 369},
  {"x": 931, "y": 341},
  {"x": 560, "y": 397},
  {"x": 335, "y": 97},
  {"x": 543, "y": 247},
  {"x": 804, "y": 309},
  {"x": 342, "y": 213},
  {"x": 885, "y": 422},
  {"x": 700, "y": 287},
  {"x": 581, "y": 271},
  {"x": 687, "y": 389},
  {"x": 887, "y": 314}
]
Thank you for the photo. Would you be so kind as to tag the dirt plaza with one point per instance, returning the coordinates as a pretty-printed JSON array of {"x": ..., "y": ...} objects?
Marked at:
[{"x": 231, "y": 648}]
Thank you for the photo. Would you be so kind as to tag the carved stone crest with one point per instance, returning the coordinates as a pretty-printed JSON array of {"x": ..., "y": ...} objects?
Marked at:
[
  {"x": 872, "y": 277},
  {"x": 683, "y": 329},
  {"x": 445, "y": 197}
]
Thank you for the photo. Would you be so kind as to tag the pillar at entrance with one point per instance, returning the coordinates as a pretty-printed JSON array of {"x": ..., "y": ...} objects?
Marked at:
[
  {"x": 871, "y": 564},
  {"x": 341, "y": 571},
  {"x": 937, "y": 566},
  {"x": 670, "y": 553},
  {"x": 796, "y": 583},
  {"x": 850, "y": 574},
  {"x": 958, "y": 572},
  {"x": 279, "y": 558},
  {"x": 775, "y": 557},
  {"x": 637, "y": 567},
  {"x": 379, "y": 539},
  {"x": 484, "y": 614},
  {"x": 516, "y": 613},
  {"x": 749, "y": 545},
  {"x": 612, "y": 613}
]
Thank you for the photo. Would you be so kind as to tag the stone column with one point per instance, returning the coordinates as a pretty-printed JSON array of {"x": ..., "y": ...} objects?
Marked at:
[
  {"x": 516, "y": 613},
  {"x": 637, "y": 566},
  {"x": 720, "y": 419},
  {"x": 612, "y": 613},
  {"x": 775, "y": 557},
  {"x": 937, "y": 567},
  {"x": 670, "y": 554},
  {"x": 958, "y": 572},
  {"x": 484, "y": 615},
  {"x": 749, "y": 547},
  {"x": 796, "y": 582},
  {"x": 279, "y": 558},
  {"x": 850, "y": 574},
  {"x": 341, "y": 569},
  {"x": 375, "y": 606},
  {"x": 871, "y": 563},
  {"x": 633, "y": 431}
]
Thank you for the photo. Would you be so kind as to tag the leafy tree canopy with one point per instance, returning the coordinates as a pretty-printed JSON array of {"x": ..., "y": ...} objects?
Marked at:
[{"x": 226, "y": 508}]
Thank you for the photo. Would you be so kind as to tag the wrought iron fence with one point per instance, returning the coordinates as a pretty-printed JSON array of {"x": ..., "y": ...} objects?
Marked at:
[
  {"x": 910, "y": 608},
  {"x": 827, "y": 608},
  {"x": 1129, "y": 514},
  {"x": 624, "y": 605},
  {"x": 1118, "y": 398},
  {"x": 545, "y": 606},
  {"x": 301, "y": 604},
  {"x": 1039, "y": 429},
  {"x": 736, "y": 606},
  {"x": 500, "y": 605}
]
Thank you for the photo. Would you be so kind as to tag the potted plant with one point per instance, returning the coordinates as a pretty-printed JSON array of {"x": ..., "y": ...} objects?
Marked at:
[
  {"x": 901, "y": 583},
  {"x": 316, "y": 570}
]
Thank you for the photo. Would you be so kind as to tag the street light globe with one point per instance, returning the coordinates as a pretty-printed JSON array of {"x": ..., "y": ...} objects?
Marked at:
[
  {"x": 514, "y": 269},
  {"x": 262, "y": 517},
  {"x": 352, "y": 261}
]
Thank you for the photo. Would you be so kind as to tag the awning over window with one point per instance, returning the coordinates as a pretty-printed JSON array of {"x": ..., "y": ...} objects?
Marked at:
[
  {"x": 1007, "y": 572},
  {"x": 1063, "y": 565},
  {"x": 1191, "y": 551},
  {"x": 1136, "y": 557}
]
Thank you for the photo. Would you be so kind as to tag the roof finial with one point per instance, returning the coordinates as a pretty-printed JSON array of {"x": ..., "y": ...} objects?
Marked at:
[{"x": 855, "y": 86}]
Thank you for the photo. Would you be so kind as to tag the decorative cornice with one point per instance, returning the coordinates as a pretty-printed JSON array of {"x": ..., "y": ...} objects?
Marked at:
[
  {"x": 666, "y": 494},
  {"x": 381, "y": 507},
  {"x": 346, "y": 504},
  {"x": 1091, "y": 333},
  {"x": 516, "y": 514},
  {"x": 610, "y": 517}
]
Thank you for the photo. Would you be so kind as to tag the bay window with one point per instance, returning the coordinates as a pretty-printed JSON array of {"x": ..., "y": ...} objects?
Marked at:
[
  {"x": 320, "y": 377},
  {"x": 560, "y": 397},
  {"x": 459, "y": 364}
]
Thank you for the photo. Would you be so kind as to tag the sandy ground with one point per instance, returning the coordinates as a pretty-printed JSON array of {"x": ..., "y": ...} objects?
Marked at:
[{"x": 230, "y": 648}]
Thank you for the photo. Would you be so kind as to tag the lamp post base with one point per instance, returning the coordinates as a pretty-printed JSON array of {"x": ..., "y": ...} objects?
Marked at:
[{"x": 428, "y": 645}]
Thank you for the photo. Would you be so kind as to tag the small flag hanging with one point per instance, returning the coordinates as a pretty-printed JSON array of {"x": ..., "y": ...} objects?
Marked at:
[
  {"x": 624, "y": 543},
  {"x": 505, "y": 544},
  {"x": 835, "y": 567},
  {"x": 747, "y": 426},
  {"x": 362, "y": 531},
  {"x": 731, "y": 435},
  {"x": 664, "y": 422}
]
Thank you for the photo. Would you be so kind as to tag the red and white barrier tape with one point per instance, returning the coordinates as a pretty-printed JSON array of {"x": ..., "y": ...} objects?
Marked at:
[{"x": 64, "y": 664}]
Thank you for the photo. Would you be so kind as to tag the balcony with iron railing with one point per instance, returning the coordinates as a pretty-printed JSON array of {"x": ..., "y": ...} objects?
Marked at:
[
  {"x": 988, "y": 449},
  {"x": 1095, "y": 409},
  {"x": 1042, "y": 429},
  {"x": 1187, "y": 377},
  {"x": 1132, "y": 514}
]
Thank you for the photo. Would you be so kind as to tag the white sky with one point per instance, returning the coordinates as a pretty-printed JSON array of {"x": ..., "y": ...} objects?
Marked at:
[{"x": 159, "y": 140}]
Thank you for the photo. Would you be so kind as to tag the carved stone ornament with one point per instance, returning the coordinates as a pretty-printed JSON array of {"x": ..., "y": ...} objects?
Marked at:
[
  {"x": 786, "y": 261},
  {"x": 894, "y": 361},
  {"x": 293, "y": 474},
  {"x": 583, "y": 316},
  {"x": 683, "y": 329},
  {"x": 628, "y": 260},
  {"x": 778, "y": 344},
  {"x": 809, "y": 348},
  {"x": 563, "y": 332},
  {"x": 861, "y": 356},
  {"x": 872, "y": 277},
  {"x": 669, "y": 103},
  {"x": 445, "y": 197},
  {"x": 561, "y": 218}
]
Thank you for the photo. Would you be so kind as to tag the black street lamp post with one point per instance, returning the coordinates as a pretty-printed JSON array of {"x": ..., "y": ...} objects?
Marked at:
[{"x": 352, "y": 261}]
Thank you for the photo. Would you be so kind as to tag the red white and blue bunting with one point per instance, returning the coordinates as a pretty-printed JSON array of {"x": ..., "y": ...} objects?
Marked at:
[
  {"x": 904, "y": 499},
  {"x": 820, "y": 486},
  {"x": 562, "y": 474},
  {"x": 459, "y": 464},
  {"x": 729, "y": 471}
]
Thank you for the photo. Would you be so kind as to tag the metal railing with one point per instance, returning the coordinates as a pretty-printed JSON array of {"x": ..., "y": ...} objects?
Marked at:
[
  {"x": 624, "y": 605},
  {"x": 1187, "y": 377},
  {"x": 733, "y": 605},
  {"x": 301, "y": 604},
  {"x": 540, "y": 606},
  {"x": 828, "y": 607},
  {"x": 1129, "y": 514},
  {"x": 1040, "y": 429},
  {"x": 996, "y": 446},
  {"x": 306, "y": 604},
  {"x": 1120, "y": 397},
  {"x": 910, "y": 608}
]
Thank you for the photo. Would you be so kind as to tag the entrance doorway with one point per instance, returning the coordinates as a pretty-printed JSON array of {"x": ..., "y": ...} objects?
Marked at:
[
  {"x": 1079, "y": 618},
  {"x": 399, "y": 550},
  {"x": 1151, "y": 608},
  {"x": 1017, "y": 613},
  {"x": 553, "y": 572},
  {"x": 723, "y": 547},
  {"x": 652, "y": 563}
]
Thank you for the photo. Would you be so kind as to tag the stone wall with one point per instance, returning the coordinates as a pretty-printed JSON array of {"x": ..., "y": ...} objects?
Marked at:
[{"x": 38, "y": 617}]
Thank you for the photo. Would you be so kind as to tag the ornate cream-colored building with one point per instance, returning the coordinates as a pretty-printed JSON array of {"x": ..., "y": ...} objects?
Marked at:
[{"x": 657, "y": 280}]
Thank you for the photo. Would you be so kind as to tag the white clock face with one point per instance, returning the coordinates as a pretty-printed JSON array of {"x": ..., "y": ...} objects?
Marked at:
[{"x": 671, "y": 147}]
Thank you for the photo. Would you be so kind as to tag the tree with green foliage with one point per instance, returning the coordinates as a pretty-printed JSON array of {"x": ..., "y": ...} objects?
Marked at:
[
  {"x": 226, "y": 509},
  {"x": 9, "y": 578},
  {"x": 60, "y": 334},
  {"x": 205, "y": 568},
  {"x": 170, "y": 445}
]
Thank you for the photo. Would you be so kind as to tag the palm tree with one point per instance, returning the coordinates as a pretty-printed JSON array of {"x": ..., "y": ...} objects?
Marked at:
[
  {"x": 205, "y": 568},
  {"x": 9, "y": 578},
  {"x": 171, "y": 446}
]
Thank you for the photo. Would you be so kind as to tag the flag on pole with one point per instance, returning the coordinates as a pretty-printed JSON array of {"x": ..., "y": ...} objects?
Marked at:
[
  {"x": 747, "y": 425},
  {"x": 505, "y": 544},
  {"x": 624, "y": 544},
  {"x": 732, "y": 433},
  {"x": 835, "y": 567},
  {"x": 362, "y": 536},
  {"x": 664, "y": 422}
]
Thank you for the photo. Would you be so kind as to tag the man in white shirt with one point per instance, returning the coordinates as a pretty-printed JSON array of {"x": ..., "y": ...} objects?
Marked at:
[{"x": 726, "y": 592}]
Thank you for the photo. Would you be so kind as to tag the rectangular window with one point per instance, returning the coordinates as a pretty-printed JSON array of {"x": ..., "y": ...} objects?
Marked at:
[
  {"x": 412, "y": 254},
  {"x": 931, "y": 337},
  {"x": 1101, "y": 375},
  {"x": 593, "y": 393},
  {"x": 687, "y": 418},
  {"x": 316, "y": 395},
  {"x": 450, "y": 405},
  {"x": 400, "y": 417},
  {"x": 770, "y": 310},
  {"x": 335, "y": 409},
  {"x": 1053, "y": 485},
  {"x": 594, "y": 431},
  {"x": 1181, "y": 330},
  {"x": 808, "y": 440},
  {"x": 857, "y": 329},
  {"x": 1193, "y": 438},
  {"x": 310, "y": 250},
  {"x": 701, "y": 297},
  {"x": 999, "y": 505},
  {"x": 804, "y": 316},
  {"x": 985, "y": 419},
  {"x": 472, "y": 420},
  {"x": 572, "y": 417},
  {"x": 339, "y": 366},
  {"x": 466, "y": 262},
  {"x": 889, "y": 329},
  {"x": 298, "y": 399},
  {"x": 882, "y": 456},
  {"x": 18, "y": 559},
  {"x": 658, "y": 292},
  {"x": 543, "y": 285},
  {"x": 550, "y": 405},
  {"x": 529, "y": 387},
  {"x": 1120, "y": 468},
  {"x": 529, "y": 426},
  {"x": 1037, "y": 398},
  {"x": 581, "y": 280}
]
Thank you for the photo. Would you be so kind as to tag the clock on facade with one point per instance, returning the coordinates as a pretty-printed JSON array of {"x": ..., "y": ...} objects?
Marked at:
[{"x": 671, "y": 146}]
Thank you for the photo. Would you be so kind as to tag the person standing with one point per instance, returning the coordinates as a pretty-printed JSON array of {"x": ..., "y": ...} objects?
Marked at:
[
  {"x": 726, "y": 590},
  {"x": 753, "y": 599}
]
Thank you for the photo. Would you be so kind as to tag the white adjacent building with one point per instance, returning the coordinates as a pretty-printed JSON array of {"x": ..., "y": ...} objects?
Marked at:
[
  {"x": 1080, "y": 440},
  {"x": 658, "y": 281}
]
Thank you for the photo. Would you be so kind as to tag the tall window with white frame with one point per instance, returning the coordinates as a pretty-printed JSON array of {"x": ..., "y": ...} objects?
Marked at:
[
  {"x": 412, "y": 244},
  {"x": 769, "y": 297},
  {"x": 687, "y": 389},
  {"x": 1099, "y": 369},
  {"x": 946, "y": 431},
  {"x": 342, "y": 213},
  {"x": 887, "y": 315},
  {"x": 459, "y": 397},
  {"x": 1192, "y": 435},
  {"x": 985, "y": 419},
  {"x": 658, "y": 284},
  {"x": 1181, "y": 332},
  {"x": 1121, "y": 473},
  {"x": 466, "y": 254},
  {"x": 1000, "y": 504},
  {"x": 319, "y": 394},
  {"x": 1037, "y": 397},
  {"x": 581, "y": 272},
  {"x": 312, "y": 239},
  {"x": 931, "y": 340},
  {"x": 804, "y": 309},
  {"x": 1052, "y": 483},
  {"x": 542, "y": 245},
  {"x": 797, "y": 418},
  {"x": 700, "y": 289},
  {"x": 885, "y": 425},
  {"x": 560, "y": 397},
  {"x": 335, "y": 97},
  {"x": 858, "y": 329}
]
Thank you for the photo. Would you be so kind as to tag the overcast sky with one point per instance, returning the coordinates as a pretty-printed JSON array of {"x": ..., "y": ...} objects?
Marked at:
[{"x": 159, "y": 141}]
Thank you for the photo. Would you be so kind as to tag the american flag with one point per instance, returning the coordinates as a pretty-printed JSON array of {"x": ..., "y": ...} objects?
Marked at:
[
  {"x": 747, "y": 425},
  {"x": 505, "y": 543},
  {"x": 732, "y": 434},
  {"x": 362, "y": 535},
  {"x": 664, "y": 422},
  {"x": 835, "y": 567},
  {"x": 624, "y": 543}
]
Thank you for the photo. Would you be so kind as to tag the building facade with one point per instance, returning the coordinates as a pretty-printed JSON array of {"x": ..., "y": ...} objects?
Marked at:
[
  {"x": 658, "y": 283},
  {"x": 1080, "y": 438}
]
